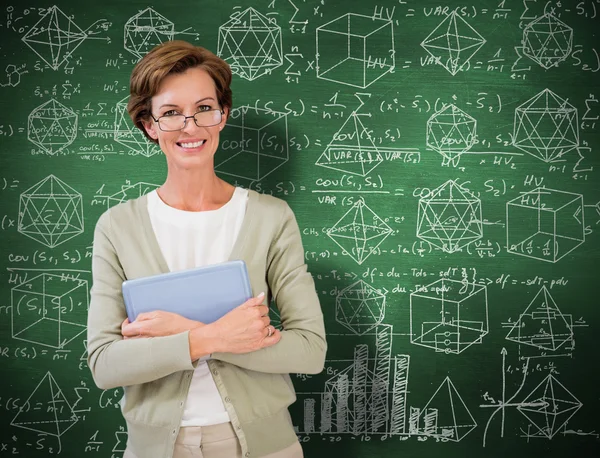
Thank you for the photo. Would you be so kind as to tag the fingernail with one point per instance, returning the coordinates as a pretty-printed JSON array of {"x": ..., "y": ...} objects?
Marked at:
[{"x": 261, "y": 295}]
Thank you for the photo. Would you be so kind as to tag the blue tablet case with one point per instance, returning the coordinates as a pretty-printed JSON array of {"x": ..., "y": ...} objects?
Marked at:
[{"x": 203, "y": 294}]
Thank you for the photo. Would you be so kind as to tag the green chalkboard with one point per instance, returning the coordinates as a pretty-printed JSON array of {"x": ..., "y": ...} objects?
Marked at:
[{"x": 442, "y": 160}]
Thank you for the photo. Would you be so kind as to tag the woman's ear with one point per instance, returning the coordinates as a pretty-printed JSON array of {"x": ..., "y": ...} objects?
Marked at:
[
  {"x": 224, "y": 118},
  {"x": 150, "y": 128}
]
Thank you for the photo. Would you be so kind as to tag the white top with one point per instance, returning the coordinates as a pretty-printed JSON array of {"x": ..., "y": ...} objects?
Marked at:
[{"x": 194, "y": 239}]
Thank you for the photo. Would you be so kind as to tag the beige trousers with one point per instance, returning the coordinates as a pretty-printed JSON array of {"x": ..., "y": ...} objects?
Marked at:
[{"x": 217, "y": 441}]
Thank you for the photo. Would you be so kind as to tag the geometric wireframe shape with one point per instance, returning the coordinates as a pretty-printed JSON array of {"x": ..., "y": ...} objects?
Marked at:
[
  {"x": 50, "y": 212},
  {"x": 549, "y": 407},
  {"x": 129, "y": 135},
  {"x": 453, "y": 43},
  {"x": 46, "y": 410},
  {"x": 52, "y": 126},
  {"x": 359, "y": 232},
  {"x": 542, "y": 324},
  {"x": 54, "y": 37},
  {"x": 355, "y": 50},
  {"x": 129, "y": 192},
  {"x": 254, "y": 143},
  {"x": 146, "y": 30},
  {"x": 450, "y": 419},
  {"x": 450, "y": 217},
  {"x": 49, "y": 310},
  {"x": 451, "y": 132},
  {"x": 360, "y": 307},
  {"x": 546, "y": 127},
  {"x": 547, "y": 40},
  {"x": 350, "y": 150},
  {"x": 545, "y": 224},
  {"x": 250, "y": 43},
  {"x": 449, "y": 316}
]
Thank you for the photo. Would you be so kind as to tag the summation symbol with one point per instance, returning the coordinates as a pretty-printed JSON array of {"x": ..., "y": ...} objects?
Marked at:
[
  {"x": 360, "y": 307},
  {"x": 451, "y": 132},
  {"x": 129, "y": 192},
  {"x": 352, "y": 149},
  {"x": 50, "y": 212},
  {"x": 250, "y": 43},
  {"x": 546, "y": 126},
  {"x": 52, "y": 126},
  {"x": 359, "y": 232},
  {"x": 146, "y": 30},
  {"x": 453, "y": 43},
  {"x": 129, "y": 135},
  {"x": 547, "y": 40}
]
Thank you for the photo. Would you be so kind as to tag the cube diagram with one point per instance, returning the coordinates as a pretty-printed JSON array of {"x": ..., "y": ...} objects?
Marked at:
[
  {"x": 49, "y": 310},
  {"x": 449, "y": 315},
  {"x": 355, "y": 50},
  {"x": 545, "y": 224},
  {"x": 254, "y": 144}
]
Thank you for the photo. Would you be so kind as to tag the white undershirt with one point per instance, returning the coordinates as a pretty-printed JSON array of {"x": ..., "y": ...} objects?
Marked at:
[{"x": 194, "y": 239}]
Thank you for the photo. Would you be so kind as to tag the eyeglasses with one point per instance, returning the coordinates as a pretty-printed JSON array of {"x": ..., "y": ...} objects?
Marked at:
[{"x": 170, "y": 123}]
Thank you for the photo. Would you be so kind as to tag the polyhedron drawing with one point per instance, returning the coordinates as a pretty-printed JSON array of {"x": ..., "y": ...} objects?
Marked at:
[
  {"x": 351, "y": 150},
  {"x": 360, "y": 307},
  {"x": 49, "y": 310},
  {"x": 450, "y": 217},
  {"x": 542, "y": 324},
  {"x": 50, "y": 212},
  {"x": 54, "y": 37},
  {"x": 355, "y": 50},
  {"x": 547, "y": 40},
  {"x": 546, "y": 126},
  {"x": 253, "y": 144},
  {"x": 52, "y": 126},
  {"x": 549, "y": 407},
  {"x": 451, "y": 132},
  {"x": 449, "y": 316},
  {"x": 250, "y": 43},
  {"x": 47, "y": 410},
  {"x": 131, "y": 192},
  {"x": 545, "y": 224},
  {"x": 453, "y": 43},
  {"x": 146, "y": 30},
  {"x": 359, "y": 232},
  {"x": 129, "y": 135}
]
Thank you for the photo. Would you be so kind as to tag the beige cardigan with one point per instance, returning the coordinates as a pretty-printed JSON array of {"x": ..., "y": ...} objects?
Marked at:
[{"x": 156, "y": 372}]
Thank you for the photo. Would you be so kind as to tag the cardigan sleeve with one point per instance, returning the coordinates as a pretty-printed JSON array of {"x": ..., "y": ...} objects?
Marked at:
[
  {"x": 114, "y": 361},
  {"x": 303, "y": 346}
]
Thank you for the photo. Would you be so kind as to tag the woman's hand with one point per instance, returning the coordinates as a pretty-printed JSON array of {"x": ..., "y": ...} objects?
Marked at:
[{"x": 157, "y": 324}]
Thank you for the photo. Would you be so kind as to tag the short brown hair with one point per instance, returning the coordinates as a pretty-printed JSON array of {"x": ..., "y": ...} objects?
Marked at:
[{"x": 168, "y": 58}]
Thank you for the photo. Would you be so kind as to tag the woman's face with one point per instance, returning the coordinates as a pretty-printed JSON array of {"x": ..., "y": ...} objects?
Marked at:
[{"x": 186, "y": 94}]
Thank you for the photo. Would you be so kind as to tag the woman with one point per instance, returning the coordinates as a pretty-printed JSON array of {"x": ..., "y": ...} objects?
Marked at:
[{"x": 194, "y": 389}]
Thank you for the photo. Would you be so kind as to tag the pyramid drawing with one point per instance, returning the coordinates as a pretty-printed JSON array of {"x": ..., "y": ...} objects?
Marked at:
[
  {"x": 351, "y": 150},
  {"x": 542, "y": 324},
  {"x": 452, "y": 419},
  {"x": 46, "y": 410}
]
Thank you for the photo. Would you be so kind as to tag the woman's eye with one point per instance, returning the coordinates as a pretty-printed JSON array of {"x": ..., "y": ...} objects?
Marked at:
[
  {"x": 204, "y": 108},
  {"x": 170, "y": 113}
]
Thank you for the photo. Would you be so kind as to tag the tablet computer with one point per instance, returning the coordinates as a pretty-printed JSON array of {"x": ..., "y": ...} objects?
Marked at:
[{"x": 202, "y": 294}]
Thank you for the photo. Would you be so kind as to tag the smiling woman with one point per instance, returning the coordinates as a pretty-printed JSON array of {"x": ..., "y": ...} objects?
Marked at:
[{"x": 196, "y": 389}]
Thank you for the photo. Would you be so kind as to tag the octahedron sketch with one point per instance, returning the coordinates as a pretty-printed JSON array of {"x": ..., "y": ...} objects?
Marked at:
[
  {"x": 129, "y": 135},
  {"x": 545, "y": 224},
  {"x": 250, "y": 43},
  {"x": 351, "y": 150},
  {"x": 54, "y": 37},
  {"x": 446, "y": 416},
  {"x": 542, "y": 324},
  {"x": 546, "y": 126},
  {"x": 549, "y": 407},
  {"x": 50, "y": 212},
  {"x": 450, "y": 217},
  {"x": 355, "y": 50},
  {"x": 451, "y": 132},
  {"x": 453, "y": 43},
  {"x": 146, "y": 30},
  {"x": 129, "y": 192},
  {"x": 46, "y": 410},
  {"x": 253, "y": 144},
  {"x": 49, "y": 310},
  {"x": 360, "y": 307},
  {"x": 52, "y": 126},
  {"x": 359, "y": 232},
  {"x": 449, "y": 316},
  {"x": 547, "y": 40}
]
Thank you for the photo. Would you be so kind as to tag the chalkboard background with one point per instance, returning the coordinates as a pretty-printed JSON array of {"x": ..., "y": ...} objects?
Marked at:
[{"x": 442, "y": 161}]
